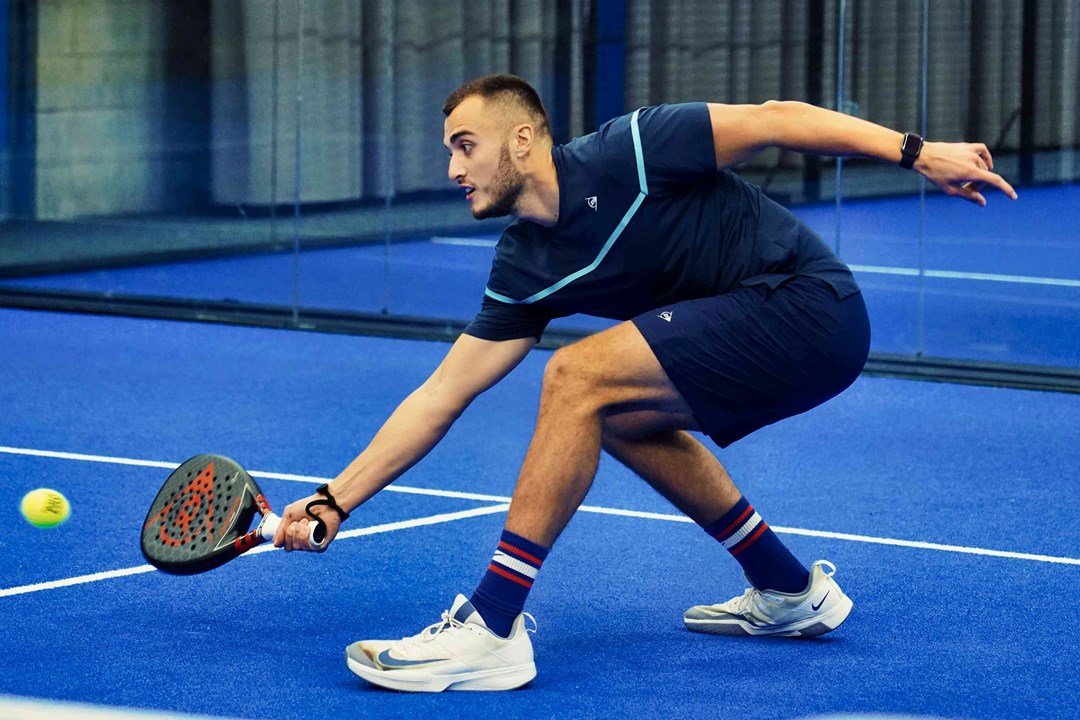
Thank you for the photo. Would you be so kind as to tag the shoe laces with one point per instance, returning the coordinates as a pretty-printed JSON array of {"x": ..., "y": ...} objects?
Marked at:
[
  {"x": 415, "y": 643},
  {"x": 447, "y": 623},
  {"x": 744, "y": 604}
]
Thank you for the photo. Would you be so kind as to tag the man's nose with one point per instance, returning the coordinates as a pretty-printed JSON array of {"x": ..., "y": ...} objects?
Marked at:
[{"x": 454, "y": 171}]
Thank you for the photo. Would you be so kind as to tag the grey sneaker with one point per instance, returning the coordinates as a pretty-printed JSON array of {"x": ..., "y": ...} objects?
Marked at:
[
  {"x": 818, "y": 609},
  {"x": 456, "y": 653}
]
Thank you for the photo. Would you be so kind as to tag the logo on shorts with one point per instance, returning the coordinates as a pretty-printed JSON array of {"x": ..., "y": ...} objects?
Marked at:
[
  {"x": 665, "y": 316},
  {"x": 592, "y": 201}
]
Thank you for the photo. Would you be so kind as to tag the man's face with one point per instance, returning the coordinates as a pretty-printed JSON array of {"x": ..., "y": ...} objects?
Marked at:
[{"x": 480, "y": 159}]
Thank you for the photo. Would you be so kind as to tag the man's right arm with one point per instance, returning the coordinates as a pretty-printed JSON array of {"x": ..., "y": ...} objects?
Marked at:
[
  {"x": 424, "y": 417},
  {"x": 416, "y": 426},
  {"x": 741, "y": 131}
]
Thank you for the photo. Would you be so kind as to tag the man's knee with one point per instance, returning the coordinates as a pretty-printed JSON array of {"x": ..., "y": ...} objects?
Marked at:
[{"x": 568, "y": 374}]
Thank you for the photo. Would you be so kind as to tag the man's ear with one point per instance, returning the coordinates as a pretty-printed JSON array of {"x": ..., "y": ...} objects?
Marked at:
[{"x": 522, "y": 140}]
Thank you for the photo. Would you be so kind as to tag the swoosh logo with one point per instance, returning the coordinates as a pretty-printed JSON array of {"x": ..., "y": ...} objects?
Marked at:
[
  {"x": 815, "y": 607},
  {"x": 389, "y": 661}
]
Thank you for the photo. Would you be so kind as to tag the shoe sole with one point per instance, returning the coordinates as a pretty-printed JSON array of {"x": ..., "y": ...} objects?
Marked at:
[
  {"x": 500, "y": 679},
  {"x": 808, "y": 627}
]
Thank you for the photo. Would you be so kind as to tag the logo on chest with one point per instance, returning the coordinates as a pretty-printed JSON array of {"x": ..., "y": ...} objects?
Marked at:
[{"x": 591, "y": 200}]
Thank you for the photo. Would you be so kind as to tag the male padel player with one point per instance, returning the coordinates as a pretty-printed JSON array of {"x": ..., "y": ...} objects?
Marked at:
[{"x": 736, "y": 316}]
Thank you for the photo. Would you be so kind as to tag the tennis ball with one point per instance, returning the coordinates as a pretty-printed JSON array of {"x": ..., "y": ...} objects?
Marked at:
[{"x": 45, "y": 508}]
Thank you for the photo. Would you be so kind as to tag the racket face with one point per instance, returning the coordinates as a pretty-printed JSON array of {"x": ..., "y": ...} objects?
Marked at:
[{"x": 200, "y": 513}]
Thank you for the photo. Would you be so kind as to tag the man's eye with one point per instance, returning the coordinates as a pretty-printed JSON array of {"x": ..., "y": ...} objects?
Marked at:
[{"x": 466, "y": 147}]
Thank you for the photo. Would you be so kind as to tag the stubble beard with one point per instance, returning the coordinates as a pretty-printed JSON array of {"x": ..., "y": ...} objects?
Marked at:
[{"x": 506, "y": 189}]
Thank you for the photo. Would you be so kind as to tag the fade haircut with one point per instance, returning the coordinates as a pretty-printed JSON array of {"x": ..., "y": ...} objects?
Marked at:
[{"x": 508, "y": 89}]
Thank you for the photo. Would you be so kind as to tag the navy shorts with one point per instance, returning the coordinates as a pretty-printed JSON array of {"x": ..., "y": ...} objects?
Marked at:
[{"x": 751, "y": 357}]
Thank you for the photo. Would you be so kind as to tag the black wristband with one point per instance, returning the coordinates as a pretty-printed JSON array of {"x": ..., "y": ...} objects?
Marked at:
[
  {"x": 910, "y": 149},
  {"x": 329, "y": 502}
]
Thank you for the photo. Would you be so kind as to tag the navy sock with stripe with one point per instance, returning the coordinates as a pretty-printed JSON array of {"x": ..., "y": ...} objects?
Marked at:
[
  {"x": 501, "y": 594},
  {"x": 768, "y": 564}
]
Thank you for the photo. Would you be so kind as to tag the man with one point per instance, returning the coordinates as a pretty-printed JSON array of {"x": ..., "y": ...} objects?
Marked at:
[{"x": 737, "y": 316}]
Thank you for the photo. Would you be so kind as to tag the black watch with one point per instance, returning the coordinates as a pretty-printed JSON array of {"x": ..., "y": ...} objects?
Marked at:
[{"x": 910, "y": 149}]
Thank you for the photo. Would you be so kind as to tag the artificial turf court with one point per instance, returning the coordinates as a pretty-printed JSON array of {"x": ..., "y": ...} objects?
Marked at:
[{"x": 950, "y": 511}]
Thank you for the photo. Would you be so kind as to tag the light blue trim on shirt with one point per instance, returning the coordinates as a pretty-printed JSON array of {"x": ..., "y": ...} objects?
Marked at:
[
  {"x": 637, "y": 153},
  {"x": 640, "y": 157}
]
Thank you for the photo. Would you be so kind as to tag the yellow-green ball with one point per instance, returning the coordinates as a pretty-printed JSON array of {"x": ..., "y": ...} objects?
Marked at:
[{"x": 45, "y": 508}]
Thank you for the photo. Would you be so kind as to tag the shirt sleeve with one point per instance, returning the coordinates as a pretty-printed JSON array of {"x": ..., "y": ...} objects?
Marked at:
[
  {"x": 673, "y": 145},
  {"x": 504, "y": 321}
]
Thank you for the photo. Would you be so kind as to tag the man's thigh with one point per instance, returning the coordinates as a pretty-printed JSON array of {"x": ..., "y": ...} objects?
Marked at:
[{"x": 620, "y": 374}]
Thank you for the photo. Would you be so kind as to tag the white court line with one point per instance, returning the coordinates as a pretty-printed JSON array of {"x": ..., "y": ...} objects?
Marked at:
[
  {"x": 873, "y": 269},
  {"x": 584, "y": 508},
  {"x": 358, "y": 532},
  {"x": 24, "y": 708},
  {"x": 88, "y": 458},
  {"x": 854, "y": 538},
  {"x": 80, "y": 580},
  {"x": 955, "y": 275},
  {"x": 467, "y": 242},
  {"x": 254, "y": 473}
]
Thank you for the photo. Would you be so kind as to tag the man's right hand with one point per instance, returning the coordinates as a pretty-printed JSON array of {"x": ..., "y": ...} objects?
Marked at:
[{"x": 294, "y": 532}]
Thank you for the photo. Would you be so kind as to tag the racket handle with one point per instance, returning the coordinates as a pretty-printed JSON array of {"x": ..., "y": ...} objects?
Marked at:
[{"x": 269, "y": 525}]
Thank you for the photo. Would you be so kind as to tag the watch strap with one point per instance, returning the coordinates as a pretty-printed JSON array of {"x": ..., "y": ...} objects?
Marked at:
[{"x": 910, "y": 149}]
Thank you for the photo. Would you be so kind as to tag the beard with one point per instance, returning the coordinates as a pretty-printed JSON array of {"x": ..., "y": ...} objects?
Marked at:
[{"x": 506, "y": 188}]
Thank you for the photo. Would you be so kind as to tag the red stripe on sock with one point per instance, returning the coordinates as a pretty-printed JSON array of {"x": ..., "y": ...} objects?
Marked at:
[
  {"x": 509, "y": 576},
  {"x": 750, "y": 540},
  {"x": 735, "y": 525},
  {"x": 521, "y": 554}
]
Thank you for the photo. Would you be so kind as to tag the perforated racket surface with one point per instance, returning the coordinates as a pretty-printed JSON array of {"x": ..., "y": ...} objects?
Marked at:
[{"x": 202, "y": 515}]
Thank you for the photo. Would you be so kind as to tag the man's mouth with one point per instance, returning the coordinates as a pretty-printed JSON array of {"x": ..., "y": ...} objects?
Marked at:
[{"x": 469, "y": 192}]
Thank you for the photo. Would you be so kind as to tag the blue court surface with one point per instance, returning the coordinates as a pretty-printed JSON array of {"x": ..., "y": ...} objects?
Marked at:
[
  {"x": 1000, "y": 283},
  {"x": 951, "y": 512}
]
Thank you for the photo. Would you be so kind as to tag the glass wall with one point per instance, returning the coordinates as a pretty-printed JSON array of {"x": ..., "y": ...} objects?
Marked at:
[{"x": 284, "y": 158}]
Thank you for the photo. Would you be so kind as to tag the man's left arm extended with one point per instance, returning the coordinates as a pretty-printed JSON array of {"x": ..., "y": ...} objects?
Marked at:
[{"x": 742, "y": 131}]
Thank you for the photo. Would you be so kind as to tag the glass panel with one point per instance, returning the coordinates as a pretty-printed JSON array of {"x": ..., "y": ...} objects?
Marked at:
[
  {"x": 878, "y": 227},
  {"x": 346, "y": 173},
  {"x": 146, "y": 147},
  {"x": 384, "y": 231},
  {"x": 166, "y": 149},
  {"x": 1003, "y": 282}
]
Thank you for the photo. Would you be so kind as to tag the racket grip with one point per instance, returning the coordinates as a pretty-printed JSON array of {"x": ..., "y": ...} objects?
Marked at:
[{"x": 269, "y": 525}]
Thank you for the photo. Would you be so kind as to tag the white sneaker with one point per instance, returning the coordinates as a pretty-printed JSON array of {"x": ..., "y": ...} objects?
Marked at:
[
  {"x": 818, "y": 609},
  {"x": 457, "y": 653}
]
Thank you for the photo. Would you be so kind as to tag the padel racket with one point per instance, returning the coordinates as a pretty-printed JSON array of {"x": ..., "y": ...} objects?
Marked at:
[{"x": 201, "y": 517}]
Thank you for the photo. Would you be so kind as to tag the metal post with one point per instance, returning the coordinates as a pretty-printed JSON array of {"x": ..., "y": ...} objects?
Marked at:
[
  {"x": 296, "y": 196},
  {"x": 1028, "y": 88},
  {"x": 841, "y": 38},
  {"x": 391, "y": 158},
  {"x": 5, "y": 144},
  {"x": 610, "y": 59},
  {"x": 922, "y": 180}
]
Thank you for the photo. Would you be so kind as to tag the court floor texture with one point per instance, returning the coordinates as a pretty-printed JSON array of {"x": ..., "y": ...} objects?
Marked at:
[{"x": 951, "y": 512}]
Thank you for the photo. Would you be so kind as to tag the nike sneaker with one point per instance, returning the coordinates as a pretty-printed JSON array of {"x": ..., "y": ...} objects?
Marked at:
[
  {"x": 818, "y": 609},
  {"x": 457, "y": 653}
]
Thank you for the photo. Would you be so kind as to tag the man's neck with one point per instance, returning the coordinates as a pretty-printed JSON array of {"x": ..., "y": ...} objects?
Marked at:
[{"x": 539, "y": 203}]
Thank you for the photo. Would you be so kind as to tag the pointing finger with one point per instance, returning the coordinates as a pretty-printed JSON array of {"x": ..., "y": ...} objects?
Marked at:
[
  {"x": 991, "y": 178},
  {"x": 1000, "y": 183}
]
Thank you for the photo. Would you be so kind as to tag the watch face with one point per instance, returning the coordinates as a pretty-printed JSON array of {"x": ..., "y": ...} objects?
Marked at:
[{"x": 912, "y": 144}]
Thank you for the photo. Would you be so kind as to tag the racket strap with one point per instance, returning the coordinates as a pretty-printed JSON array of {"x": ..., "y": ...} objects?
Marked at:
[{"x": 329, "y": 501}]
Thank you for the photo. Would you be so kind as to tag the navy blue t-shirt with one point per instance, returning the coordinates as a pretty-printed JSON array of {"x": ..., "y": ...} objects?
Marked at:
[{"x": 645, "y": 220}]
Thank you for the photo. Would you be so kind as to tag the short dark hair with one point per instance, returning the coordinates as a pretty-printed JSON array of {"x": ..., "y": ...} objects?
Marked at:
[{"x": 502, "y": 87}]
